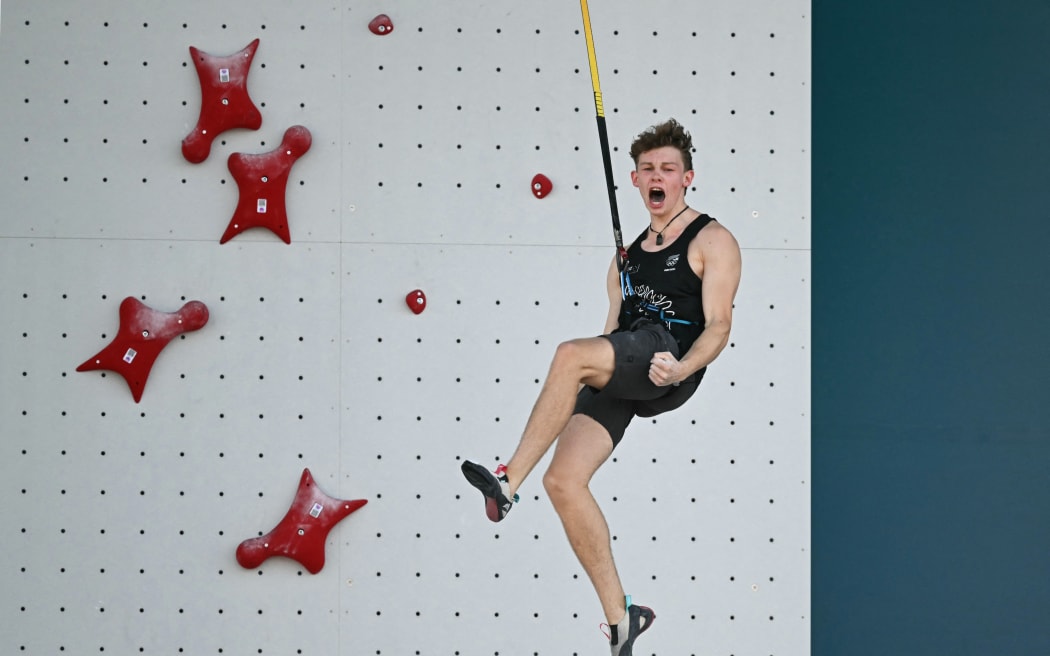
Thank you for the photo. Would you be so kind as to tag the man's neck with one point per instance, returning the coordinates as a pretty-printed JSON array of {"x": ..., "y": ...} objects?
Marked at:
[{"x": 658, "y": 222}]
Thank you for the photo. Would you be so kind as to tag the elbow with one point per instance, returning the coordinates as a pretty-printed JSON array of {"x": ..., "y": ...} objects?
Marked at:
[
  {"x": 718, "y": 328},
  {"x": 718, "y": 324}
]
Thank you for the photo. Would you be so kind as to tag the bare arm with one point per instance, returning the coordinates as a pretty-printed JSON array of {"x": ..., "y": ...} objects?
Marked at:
[
  {"x": 719, "y": 255},
  {"x": 615, "y": 298}
]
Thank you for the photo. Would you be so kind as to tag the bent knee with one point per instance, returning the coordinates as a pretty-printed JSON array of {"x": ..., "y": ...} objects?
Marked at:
[
  {"x": 562, "y": 485},
  {"x": 568, "y": 353},
  {"x": 584, "y": 357}
]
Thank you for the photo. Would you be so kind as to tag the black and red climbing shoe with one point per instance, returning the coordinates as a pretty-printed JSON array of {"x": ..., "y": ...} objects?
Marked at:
[{"x": 494, "y": 487}]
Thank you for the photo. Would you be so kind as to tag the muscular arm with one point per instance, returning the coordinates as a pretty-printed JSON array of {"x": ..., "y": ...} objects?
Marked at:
[
  {"x": 721, "y": 277},
  {"x": 718, "y": 256}
]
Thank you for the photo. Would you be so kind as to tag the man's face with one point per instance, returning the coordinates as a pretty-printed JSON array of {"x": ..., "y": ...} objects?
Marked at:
[{"x": 661, "y": 178}]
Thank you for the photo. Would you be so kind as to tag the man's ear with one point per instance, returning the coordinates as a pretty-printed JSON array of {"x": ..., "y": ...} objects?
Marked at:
[
  {"x": 688, "y": 178},
  {"x": 634, "y": 177}
]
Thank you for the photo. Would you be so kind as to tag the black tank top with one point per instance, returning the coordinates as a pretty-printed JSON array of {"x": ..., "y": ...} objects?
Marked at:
[{"x": 663, "y": 279}]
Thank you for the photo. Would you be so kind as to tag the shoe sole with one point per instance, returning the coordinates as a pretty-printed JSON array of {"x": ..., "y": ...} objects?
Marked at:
[{"x": 486, "y": 482}]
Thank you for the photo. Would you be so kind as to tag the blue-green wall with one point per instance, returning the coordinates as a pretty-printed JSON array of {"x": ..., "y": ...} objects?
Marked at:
[{"x": 931, "y": 328}]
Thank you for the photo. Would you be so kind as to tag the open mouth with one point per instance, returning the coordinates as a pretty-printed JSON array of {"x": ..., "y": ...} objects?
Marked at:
[{"x": 656, "y": 195}]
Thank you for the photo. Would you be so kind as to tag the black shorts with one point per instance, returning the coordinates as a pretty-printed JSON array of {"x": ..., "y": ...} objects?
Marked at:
[{"x": 630, "y": 393}]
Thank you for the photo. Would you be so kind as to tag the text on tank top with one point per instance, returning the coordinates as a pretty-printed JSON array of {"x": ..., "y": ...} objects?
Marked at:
[{"x": 664, "y": 279}]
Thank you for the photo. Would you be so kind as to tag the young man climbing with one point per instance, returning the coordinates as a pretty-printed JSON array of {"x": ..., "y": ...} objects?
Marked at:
[{"x": 670, "y": 313}]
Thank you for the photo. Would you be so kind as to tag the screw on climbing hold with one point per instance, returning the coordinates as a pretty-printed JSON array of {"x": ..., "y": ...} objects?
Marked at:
[
  {"x": 416, "y": 301},
  {"x": 381, "y": 25},
  {"x": 541, "y": 185}
]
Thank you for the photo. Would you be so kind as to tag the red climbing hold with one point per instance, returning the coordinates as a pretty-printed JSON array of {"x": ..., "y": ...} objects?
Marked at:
[
  {"x": 381, "y": 25},
  {"x": 143, "y": 333},
  {"x": 224, "y": 99},
  {"x": 541, "y": 185},
  {"x": 303, "y": 531},
  {"x": 416, "y": 301},
  {"x": 261, "y": 180}
]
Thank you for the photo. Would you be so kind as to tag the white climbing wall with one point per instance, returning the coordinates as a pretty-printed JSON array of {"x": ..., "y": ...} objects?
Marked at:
[{"x": 120, "y": 520}]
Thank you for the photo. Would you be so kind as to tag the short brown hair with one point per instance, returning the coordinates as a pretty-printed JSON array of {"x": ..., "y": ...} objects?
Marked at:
[{"x": 669, "y": 133}]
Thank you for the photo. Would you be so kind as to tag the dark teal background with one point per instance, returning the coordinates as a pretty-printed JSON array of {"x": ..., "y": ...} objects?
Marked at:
[{"x": 931, "y": 329}]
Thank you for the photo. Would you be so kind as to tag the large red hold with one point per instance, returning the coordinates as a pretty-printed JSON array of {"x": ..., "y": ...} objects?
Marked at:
[
  {"x": 143, "y": 334},
  {"x": 262, "y": 181},
  {"x": 301, "y": 535},
  {"x": 225, "y": 103}
]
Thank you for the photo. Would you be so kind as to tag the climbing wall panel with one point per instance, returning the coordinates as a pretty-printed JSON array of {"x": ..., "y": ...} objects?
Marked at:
[{"x": 123, "y": 518}]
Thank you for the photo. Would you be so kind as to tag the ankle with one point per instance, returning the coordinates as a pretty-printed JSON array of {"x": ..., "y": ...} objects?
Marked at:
[
  {"x": 618, "y": 613},
  {"x": 513, "y": 482},
  {"x": 615, "y": 617}
]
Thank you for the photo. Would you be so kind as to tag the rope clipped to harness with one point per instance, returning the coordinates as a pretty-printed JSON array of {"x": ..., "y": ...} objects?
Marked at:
[{"x": 643, "y": 310}]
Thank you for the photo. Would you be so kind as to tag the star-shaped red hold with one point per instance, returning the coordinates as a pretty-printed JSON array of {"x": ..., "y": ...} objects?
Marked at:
[
  {"x": 143, "y": 333},
  {"x": 225, "y": 103},
  {"x": 303, "y": 531},
  {"x": 262, "y": 181}
]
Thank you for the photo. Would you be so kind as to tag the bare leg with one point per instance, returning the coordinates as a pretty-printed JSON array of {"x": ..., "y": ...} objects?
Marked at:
[
  {"x": 582, "y": 448},
  {"x": 578, "y": 362}
]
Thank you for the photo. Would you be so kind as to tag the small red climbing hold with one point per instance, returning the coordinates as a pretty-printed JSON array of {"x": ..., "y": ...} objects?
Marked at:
[
  {"x": 416, "y": 301},
  {"x": 541, "y": 185},
  {"x": 381, "y": 25}
]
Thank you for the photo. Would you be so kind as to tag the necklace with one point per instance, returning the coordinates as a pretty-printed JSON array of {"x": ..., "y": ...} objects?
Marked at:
[{"x": 660, "y": 235}]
